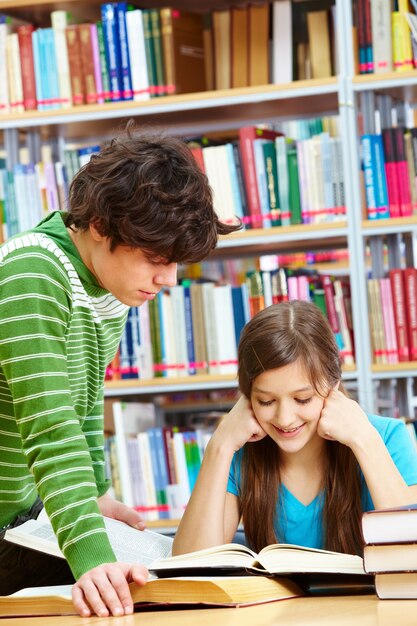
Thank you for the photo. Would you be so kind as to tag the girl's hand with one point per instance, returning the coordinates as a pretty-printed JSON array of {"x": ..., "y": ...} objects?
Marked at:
[
  {"x": 239, "y": 426},
  {"x": 117, "y": 510},
  {"x": 342, "y": 419}
]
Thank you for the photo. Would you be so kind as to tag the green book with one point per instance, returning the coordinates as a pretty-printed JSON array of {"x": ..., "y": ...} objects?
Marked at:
[
  {"x": 158, "y": 52},
  {"x": 103, "y": 64},
  {"x": 150, "y": 51},
  {"x": 294, "y": 191},
  {"x": 155, "y": 336},
  {"x": 270, "y": 158}
]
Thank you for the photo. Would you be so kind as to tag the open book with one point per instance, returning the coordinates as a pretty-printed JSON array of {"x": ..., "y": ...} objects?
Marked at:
[
  {"x": 277, "y": 559},
  {"x": 129, "y": 545},
  {"x": 195, "y": 592}
]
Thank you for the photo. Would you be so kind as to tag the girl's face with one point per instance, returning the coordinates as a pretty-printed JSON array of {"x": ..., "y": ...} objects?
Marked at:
[{"x": 288, "y": 407}]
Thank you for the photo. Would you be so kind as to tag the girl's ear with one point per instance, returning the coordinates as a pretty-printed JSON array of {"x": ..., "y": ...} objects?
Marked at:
[{"x": 337, "y": 385}]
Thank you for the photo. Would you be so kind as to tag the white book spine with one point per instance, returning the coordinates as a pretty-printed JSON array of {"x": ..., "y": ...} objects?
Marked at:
[
  {"x": 59, "y": 23},
  {"x": 122, "y": 454},
  {"x": 137, "y": 55}
]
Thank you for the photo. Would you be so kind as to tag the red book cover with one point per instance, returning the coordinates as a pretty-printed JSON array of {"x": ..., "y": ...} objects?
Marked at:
[
  {"x": 391, "y": 172},
  {"x": 410, "y": 289},
  {"x": 330, "y": 306},
  {"x": 75, "y": 64},
  {"x": 87, "y": 61},
  {"x": 197, "y": 152},
  {"x": 24, "y": 34},
  {"x": 402, "y": 172},
  {"x": 398, "y": 299},
  {"x": 247, "y": 135}
]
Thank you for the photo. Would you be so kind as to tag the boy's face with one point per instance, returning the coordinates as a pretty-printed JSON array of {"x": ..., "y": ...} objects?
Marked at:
[{"x": 127, "y": 273}]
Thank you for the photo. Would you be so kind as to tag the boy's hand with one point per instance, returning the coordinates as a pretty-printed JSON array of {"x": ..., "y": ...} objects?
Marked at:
[
  {"x": 117, "y": 510},
  {"x": 239, "y": 426},
  {"x": 104, "y": 590}
]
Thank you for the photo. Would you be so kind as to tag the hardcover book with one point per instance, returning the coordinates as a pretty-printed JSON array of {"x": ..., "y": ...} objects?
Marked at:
[{"x": 180, "y": 592}]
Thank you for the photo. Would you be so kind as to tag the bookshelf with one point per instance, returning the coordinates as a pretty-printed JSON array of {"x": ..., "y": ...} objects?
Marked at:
[{"x": 228, "y": 109}]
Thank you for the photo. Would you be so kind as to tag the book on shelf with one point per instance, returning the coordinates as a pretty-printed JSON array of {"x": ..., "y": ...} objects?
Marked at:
[
  {"x": 129, "y": 544},
  {"x": 193, "y": 593}
]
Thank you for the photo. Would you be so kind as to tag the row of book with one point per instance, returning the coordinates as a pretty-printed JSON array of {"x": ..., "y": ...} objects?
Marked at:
[
  {"x": 127, "y": 55},
  {"x": 389, "y": 162},
  {"x": 269, "y": 180},
  {"x": 259, "y": 176},
  {"x": 386, "y": 33},
  {"x": 135, "y": 54},
  {"x": 153, "y": 468},
  {"x": 393, "y": 316},
  {"x": 29, "y": 191},
  {"x": 391, "y": 551},
  {"x": 194, "y": 327}
]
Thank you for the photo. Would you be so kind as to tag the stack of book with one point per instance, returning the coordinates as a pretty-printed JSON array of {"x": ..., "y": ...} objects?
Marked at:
[{"x": 391, "y": 551}]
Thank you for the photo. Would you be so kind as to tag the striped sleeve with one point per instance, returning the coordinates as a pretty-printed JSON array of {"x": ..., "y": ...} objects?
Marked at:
[
  {"x": 35, "y": 311},
  {"x": 93, "y": 429}
]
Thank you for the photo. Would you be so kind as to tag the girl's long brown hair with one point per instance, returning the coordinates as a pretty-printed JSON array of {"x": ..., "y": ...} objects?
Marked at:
[{"x": 277, "y": 336}]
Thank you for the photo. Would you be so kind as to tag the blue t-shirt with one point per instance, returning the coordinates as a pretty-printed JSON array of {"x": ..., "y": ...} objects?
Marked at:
[{"x": 303, "y": 525}]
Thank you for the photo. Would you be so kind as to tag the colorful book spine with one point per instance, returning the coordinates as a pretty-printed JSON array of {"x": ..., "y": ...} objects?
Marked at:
[
  {"x": 110, "y": 34},
  {"x": 125, "y": 80},
  {"x": 398, "y": 298}
]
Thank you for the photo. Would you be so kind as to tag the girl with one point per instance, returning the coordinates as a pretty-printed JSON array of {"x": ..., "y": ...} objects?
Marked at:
[{"x": 295, "y": 458}]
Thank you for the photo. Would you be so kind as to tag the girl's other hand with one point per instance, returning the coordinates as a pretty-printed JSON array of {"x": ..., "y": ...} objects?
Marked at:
[
  {"x": 239, "y": 426},
  {"x": 342, "y": 419}
]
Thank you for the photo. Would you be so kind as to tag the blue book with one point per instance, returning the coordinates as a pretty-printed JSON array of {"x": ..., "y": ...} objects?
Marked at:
[
  {"x": 189, "y": 326},
  {"x": 126, "y": 349},
  {"x": 237, "y": 198},
  {"x": 238, "y": 311},
  {"x": 159, "y": 467},
  {"x": 380, "y": 178},
  {"x": 368, "y": 173},
  {"x": 112, "y": 49},
  {"x": 125, "y": 80},
  {"x": 51, "y": 69}
]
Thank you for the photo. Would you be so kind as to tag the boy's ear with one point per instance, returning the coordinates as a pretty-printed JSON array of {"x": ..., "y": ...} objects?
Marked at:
[{"x": 95, "y": 231}]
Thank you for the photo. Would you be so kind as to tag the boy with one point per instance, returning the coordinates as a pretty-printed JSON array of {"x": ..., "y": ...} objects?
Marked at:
[{"x": 136, "y": 210}]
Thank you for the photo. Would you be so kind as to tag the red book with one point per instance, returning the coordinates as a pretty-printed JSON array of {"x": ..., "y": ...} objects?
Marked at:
[
  {"x": 198, "y": 156},
  {"x": 24, "y": 34},
  {"x": 391, "y": 172},
  {"x": 72, "y": 35},
  {"x": 398, "y": 299},
  {"x": 410, "y": 290},
  {"x": 247, "y": 135},
  {"x": 402, "y": 172},
  {"x": 87, "y": 61}
]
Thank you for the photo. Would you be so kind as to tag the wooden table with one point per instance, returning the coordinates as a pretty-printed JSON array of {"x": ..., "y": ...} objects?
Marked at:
[{"x": 334, "y": 611}]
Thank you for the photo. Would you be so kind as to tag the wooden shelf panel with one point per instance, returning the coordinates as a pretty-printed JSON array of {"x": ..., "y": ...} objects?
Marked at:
[
  {"x": 389, "y": 226},
  {"x": 186, "y": 113},
  {"x": 38, "y": 10},
  {"x": 131, "y": 386},
  {"x": 397, "y": 370},
  {"x": 283, "y": 239},
  {"x": 402, "y": 85}
]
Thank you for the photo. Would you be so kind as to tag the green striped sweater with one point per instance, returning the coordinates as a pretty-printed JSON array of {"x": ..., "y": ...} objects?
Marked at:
[{"x": 58, "y": 331}]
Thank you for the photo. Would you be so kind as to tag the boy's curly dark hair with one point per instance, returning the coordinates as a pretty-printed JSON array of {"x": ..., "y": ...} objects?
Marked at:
[{"x": 145, "y": 190}]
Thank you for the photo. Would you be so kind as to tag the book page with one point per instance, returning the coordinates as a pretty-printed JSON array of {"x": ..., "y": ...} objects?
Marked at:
[
  {"x": 129, "y": 544},
  {"x": 36, "y": 592}
]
